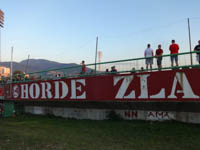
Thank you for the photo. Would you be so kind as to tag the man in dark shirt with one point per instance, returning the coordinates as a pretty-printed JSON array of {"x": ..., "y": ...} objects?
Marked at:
[
  {"x": 197, "y": 49},
  {"x": 159, "y": 53},
  {"x": 113, "y": 69}
]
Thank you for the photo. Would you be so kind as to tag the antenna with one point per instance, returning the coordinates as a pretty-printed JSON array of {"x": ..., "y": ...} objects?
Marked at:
[
  {"x": 27, "y": 64},
  {"x": 190, "y": 41},
  {"x": 11, "y": 64}
]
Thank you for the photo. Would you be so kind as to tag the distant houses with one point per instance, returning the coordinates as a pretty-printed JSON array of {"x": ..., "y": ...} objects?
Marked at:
[{"x": 4, "y": 72}]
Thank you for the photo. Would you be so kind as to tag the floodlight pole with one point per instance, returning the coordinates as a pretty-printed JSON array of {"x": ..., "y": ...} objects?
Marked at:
[
  {"x": 96, "y": 54},
  {"x": 11, "y": 71},
  {"x": 190, "y": 41},
  {"x": 11, "y": 64},
  {"x": 27, "y": 64}
]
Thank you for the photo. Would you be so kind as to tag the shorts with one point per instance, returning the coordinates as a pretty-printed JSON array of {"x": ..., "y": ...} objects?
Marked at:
[
  {"x": 174, "y": 57},
  {"x": 159, "y": 60},
  {"x": 149, "y": 61}
]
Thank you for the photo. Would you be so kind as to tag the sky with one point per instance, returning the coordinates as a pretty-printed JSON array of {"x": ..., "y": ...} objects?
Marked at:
[{"x": 65, "y": 30}]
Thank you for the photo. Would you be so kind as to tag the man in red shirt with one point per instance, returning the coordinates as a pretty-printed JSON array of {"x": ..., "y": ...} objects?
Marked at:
[
  {"x": 159, "y": 53},
  {"x": 174, "y": 51},
  {"x": 83, "y": 69}
]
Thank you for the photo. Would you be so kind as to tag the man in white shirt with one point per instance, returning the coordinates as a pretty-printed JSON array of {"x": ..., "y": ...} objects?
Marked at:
[{"x": 148, "y": 53}]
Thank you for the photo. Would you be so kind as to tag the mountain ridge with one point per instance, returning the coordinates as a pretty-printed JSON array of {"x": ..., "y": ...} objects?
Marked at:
[{"x": 35, "y": 65}]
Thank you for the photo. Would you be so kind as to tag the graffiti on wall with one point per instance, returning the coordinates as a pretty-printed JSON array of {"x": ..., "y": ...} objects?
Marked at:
[
  {"x": 160, "y": 115},
  {"x": 131, "y": 114}
]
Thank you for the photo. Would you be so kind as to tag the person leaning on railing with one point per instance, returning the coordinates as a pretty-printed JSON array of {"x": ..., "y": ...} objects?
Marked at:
[
  {"x": 113, "y": 69},
  {"x": 159, "y": 53},
  {"x": 174, "y": 48},
  {"x": 197, "y": 49}
]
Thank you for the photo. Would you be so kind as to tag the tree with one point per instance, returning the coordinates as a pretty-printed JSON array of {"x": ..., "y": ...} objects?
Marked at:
[
  {"x": 18, "y": 75},
  {"x": 17, "y": 72}
]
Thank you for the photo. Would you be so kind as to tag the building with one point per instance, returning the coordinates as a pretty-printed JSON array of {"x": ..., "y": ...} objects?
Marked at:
[{"x": 4, "y": 71}]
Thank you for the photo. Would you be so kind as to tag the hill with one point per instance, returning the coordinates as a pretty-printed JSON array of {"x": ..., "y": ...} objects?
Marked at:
[{"x": 35, "y": 65}]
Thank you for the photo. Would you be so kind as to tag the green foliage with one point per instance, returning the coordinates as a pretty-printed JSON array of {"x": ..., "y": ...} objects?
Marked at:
[
  {"x": 18, "y": 75},
  {"x": 18, "y": 72}
]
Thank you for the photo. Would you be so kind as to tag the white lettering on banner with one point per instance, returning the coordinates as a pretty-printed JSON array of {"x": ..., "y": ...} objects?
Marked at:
[
  {"x": 74, "y": 88},
  {"x": 34, "y": 91},
  {"x": 161, "y": 94},
  {"x": 46, "y": 93},
  {"x": 44, "y": 90},
  {"x": 24, "y": 90},
  {"x": 143, "y": 86},
  {"x": 15, "y": 91},
  {"x": 57, "y": 89},
  {"x": 124, "y": 86},
  {"x": 181, "y": 78}
]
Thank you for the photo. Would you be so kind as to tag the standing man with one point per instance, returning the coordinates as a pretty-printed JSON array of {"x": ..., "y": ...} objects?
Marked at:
[
  {"x": 174, "y": 52},
  {"x": 159, "y": 53},
  {"x": 83, "y": 69},
  {"x": 197, "y": 49},
  {"x": 148, "y": 53}
]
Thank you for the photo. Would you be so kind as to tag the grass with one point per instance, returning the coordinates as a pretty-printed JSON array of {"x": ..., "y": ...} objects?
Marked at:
[{"x": 49, "y": 133}]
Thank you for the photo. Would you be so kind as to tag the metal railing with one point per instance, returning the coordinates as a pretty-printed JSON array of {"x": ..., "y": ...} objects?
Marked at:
[{"x": 122, "y": 66}]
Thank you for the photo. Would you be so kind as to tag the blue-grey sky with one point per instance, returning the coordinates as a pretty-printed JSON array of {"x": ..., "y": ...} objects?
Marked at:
[{"x": 66, "y": 30}]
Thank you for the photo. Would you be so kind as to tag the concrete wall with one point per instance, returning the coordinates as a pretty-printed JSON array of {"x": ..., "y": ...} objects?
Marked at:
[{"x": 101, "y": 114}]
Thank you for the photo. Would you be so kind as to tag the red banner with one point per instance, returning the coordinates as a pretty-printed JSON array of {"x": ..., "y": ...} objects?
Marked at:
[{"x": 179, "y": 85}]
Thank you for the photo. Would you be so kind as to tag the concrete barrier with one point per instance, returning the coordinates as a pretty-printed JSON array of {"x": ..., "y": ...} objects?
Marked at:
[{"x": 102, "y": 114}]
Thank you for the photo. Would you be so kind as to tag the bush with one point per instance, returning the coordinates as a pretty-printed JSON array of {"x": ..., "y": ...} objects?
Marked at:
[{"x": 112, "y": 115}]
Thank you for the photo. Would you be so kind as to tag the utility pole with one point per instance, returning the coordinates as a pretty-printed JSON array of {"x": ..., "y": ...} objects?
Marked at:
[
  {"x": 27, "y": 65},
  {"x": 11, "y": 71},
  {"x": 11, "y": 64},
  {"x": 190, "y": 41},
  {"x": 96, "y": 54}
]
